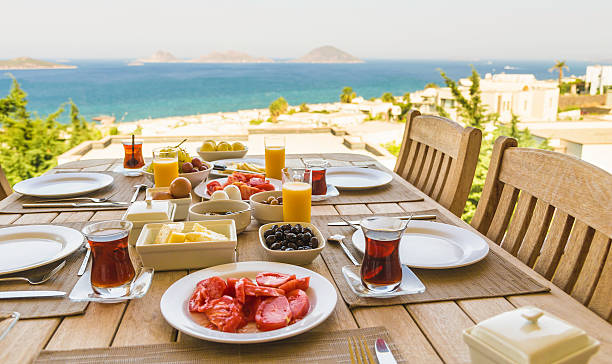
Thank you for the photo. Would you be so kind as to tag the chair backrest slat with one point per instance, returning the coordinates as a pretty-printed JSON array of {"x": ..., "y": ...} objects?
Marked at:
[
  {"x": 554, "y": 213},
  {"x": 5, "y": 186},
  {"x": 439, "y": 157}
]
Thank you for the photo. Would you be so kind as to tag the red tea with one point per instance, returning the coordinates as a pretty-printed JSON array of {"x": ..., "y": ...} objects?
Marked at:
[
  {"x": 133, "y": 155},
  {"x": 319, "y": 185},
  {"x": 111, "y": 265},
  {"x": 381, "y": 264}
]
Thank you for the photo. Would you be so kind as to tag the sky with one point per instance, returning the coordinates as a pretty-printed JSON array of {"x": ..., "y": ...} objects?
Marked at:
[{"x": 383, "y": 29}]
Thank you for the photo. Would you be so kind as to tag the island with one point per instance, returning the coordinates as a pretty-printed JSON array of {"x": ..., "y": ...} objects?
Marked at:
[
  {"x": 327, "y": 54},
  {"x": 157, "y": 57},
  {"x": 27, "y": 63},
  {"x": 231, "y": 57}
]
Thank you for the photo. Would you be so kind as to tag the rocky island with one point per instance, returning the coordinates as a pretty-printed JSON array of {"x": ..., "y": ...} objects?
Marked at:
[
  {"x": 26, "y": 63},
  {"x": 327, "y": 54},
  {"x": 231, "y": 57},
  {"x": 159, "y": 57}
]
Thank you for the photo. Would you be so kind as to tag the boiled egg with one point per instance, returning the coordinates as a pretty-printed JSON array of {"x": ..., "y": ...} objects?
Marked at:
[
  {"x": 219, "y": 195},
  {"x": 233, "y": 192}
]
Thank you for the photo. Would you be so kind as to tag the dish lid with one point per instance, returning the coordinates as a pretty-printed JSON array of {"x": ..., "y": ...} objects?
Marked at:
[
  {"x": 530, "y": 335},
  {"x": 149, "y": 210}
]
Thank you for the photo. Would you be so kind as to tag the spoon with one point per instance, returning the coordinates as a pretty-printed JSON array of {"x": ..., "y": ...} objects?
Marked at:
[
  {"x": 37, "y": 278},
  {"x": 135, "y": 195},
  {"x": 338, "y": 238}
]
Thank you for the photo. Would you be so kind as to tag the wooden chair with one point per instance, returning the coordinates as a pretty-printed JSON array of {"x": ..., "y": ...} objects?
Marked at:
[
  {"x": 554, "y": 213},
  {"x": 439, "y": 157},
  {"x": 5, "y": 186}
]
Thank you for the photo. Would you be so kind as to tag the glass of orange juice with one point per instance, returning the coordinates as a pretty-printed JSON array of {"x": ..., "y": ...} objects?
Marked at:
[
  {"x": 275, "y": 155},
  {"x": 297, "y": 193},
  {"x": 165, "y": 166}
]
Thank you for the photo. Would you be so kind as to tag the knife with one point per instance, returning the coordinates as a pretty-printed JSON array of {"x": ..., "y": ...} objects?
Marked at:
[
  {"x": 356, "y": 222},
  {"x": 222, "y": 168},
  {"x": 75, "y": 204},
  {"x": 383, "y": 354},
  {"x": 31, "y": 294}
]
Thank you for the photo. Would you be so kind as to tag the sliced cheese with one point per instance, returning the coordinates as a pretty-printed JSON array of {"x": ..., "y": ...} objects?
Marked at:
[
  {"x": 176, "y": 237},
  {"x": 201, "y": 233},
  {"x": 163, "y": 236}
]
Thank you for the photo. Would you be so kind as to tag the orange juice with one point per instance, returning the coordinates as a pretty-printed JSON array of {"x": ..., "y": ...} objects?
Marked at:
[
  {"x": 165, "y": 170},
  {"x": 275, "y": 162},
  {"x": 296, "y": 201}
]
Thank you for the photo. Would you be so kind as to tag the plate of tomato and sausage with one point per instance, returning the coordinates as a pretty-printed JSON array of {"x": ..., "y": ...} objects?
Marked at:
[{"x": 248, "y": 302}]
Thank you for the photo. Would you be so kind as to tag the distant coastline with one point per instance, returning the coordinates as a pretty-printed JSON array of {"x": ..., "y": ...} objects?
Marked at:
[{"x": 26, "y": 63}]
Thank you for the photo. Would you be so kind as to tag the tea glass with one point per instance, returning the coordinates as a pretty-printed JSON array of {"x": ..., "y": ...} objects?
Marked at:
[
  {"x": 112, "y": 271},
  {"x": 275, "y": 155},
  {"x": 297, "y": 194},
  {"x": 133, "y": 158},
  {"x": 165, "y": 166},
  {"x": 381, "y": 270},
  {"x": 318, "y": 167}
]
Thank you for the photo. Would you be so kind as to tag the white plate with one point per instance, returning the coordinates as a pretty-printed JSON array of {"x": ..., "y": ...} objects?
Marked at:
[
  {"x": 356, "y": 178},
  {"x": 61, "y": 185},
  {"x": 322, "y": 296},
  {"x": 432, "y": 245},
  {"x": 331, "y": 192},
  {"x": 228, "y": 162},
  {"x": 31, "y": 246},
  {"x": 202, "y": 191}
]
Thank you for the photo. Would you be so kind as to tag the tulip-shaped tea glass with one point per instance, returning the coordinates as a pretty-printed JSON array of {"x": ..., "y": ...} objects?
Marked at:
[
  {"x": 381, "y": 270},
  {"x": 112, "y": 271},
  {"x": 318, "y": 167}
]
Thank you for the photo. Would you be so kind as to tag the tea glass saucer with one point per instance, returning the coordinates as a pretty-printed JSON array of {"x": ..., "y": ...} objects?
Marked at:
[
  {"x": 410, "y": 284},
  {"x": 82, "y": 290},
  {"x": 332, "y": 191},
  {"x": 128, "y": 172}
]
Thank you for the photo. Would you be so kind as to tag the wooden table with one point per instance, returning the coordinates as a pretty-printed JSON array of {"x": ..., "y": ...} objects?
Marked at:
[{"x": 424, "y": 332}]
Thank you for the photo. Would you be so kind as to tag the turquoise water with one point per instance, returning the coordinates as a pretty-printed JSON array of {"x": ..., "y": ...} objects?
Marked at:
[{"x": 159, "y": 90}]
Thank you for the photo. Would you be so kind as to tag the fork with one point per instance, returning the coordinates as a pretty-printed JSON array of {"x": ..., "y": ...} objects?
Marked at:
[
  {"x": 359, "y": 351},
  {"x": 92, "y": 199},
  {"x": 37, "y": 278}
]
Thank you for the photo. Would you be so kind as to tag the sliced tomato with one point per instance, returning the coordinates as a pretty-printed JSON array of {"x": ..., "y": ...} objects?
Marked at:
[
  {"x": 303, "y": 283},
  {"x": 273, "y": 313},
  {"x": 250, "y": 307},
  {"x": 254, "y": 182},
  {"x": 212, "y": 187},
  {"x": 197, "y": 303},
  {"x": 271, "y": 279},
  {"x": 226, "y": 314},
  {"x": 299, "y": 303},
  {"x": 247, "y": 191},
  {"x": 252, "y": 290},
  {"x": 230, "y": 290},
  {"x": 289, "y": 286}
]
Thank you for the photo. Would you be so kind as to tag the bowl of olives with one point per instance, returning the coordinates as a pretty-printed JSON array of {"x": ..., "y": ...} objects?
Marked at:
[
  {"x": 291, "y": 242},
  {"x": 267, "y": 206}
]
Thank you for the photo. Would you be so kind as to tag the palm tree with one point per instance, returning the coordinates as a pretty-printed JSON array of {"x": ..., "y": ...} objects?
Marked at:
[
  {"x": 559, "y": 66},
  {"x": 347, "y": 95}
]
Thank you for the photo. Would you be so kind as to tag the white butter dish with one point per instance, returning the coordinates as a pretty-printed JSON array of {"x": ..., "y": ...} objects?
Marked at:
[
  {"x": 141, "y": 213},
  {"x": 528, "y": 335},
  {"x": 188, "y": 255}
]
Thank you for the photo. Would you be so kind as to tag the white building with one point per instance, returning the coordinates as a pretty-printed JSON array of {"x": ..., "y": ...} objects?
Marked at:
[
  {"x": 598, "y": 78},
  {"x": 504, "y": 94}
]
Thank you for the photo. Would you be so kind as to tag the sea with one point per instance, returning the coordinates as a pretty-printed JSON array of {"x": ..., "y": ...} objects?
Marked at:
[{"x": 111, "y": 87}]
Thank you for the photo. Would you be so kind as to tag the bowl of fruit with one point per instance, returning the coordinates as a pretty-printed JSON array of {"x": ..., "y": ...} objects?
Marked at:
[
  {"x": 194, "y": 169},
  {"x": 291, "y": 242},
  {"x": 212, "y": 150},
  {"x": 267, "y": 206}
]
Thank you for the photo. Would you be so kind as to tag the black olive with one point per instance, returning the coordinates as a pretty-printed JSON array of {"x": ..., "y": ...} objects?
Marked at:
[
  {"x": 300, "y": 248},
  {"x": 283, "y": 243},
  {"x": 290, "y": 236},
  {"x": 299, "y": 243},
  {"x": 270, "y": 239},
  {"x": 296, "y": 229},
  {"x": 289, "y": 249},
  {"x": 278, "y": 235},
  {"x": 275, "y": 227},
  {"x": 314, "y": 242},
  {"x": 307, "y": 237},
  {"x": 275, "y": 246},
  {"x": 306, "y": 247},
  {"x": 286, "y": 227},
  {"x": 292, "y": 245},
  {"x": 307, "y": 230},
  {"x": 268, "y": 233},
  {"x": 300, "y": 237}
]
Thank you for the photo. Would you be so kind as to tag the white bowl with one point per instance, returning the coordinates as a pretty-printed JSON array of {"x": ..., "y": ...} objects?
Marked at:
[
  {"x": 224, "y": 154},
  {"x": 298, "y": 257},
  {"x": 194, "y": 177},
  {"x": 243, "y": 219},
  {"x": 265, "y": 213},
  {"x": 188, "y": 255}
]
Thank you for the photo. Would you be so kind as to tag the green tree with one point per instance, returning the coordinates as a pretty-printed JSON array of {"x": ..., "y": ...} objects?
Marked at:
[
  {"x": 470, "y": 109},
  {"x": 278, "y": 107},
  {"x": 388, "y": 97},
  {"x": 405, "y": 105},
  {"x": 304, "y": 107},
  {"x": 80, "y": 130},
  {"x": 559, "y": 66},
  {"x": 432, "y": 85},
  {"x": 347, "y": 95}
]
